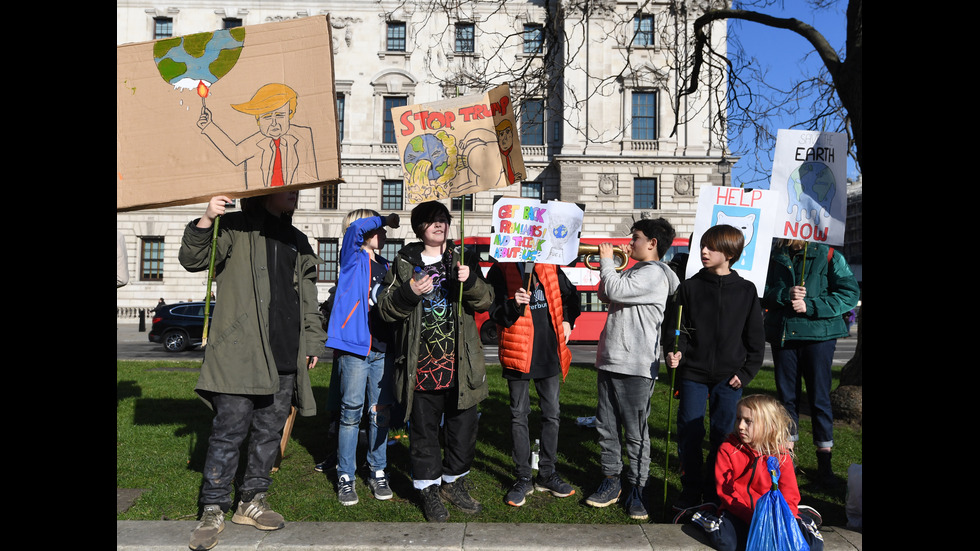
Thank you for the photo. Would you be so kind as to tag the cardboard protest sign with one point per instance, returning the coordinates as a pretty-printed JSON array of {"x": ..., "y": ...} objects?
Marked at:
[
  {"x": 237, "y": 112},
  {"x": 751, "y": 210},
  {"x": 458, "y": 146},
  {"x": 527, "y": 230},
  {"x": 809, "y": 171}
]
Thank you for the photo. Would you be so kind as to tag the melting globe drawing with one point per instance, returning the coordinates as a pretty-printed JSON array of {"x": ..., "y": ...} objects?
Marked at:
[
  {"x": 187, "y": 61},
  {"x": 811, "y": 189},
  {"x": 428, "y": 147}
]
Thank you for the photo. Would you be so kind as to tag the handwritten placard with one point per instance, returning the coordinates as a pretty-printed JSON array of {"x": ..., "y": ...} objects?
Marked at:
[
  {"x": 458, "y": 146},
  {"x": 527, "y": 230}
]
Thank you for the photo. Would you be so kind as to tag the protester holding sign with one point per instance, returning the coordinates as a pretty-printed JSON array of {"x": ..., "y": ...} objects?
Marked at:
[
  {"x": 809, "y": 288},
  {"x": 536, "y": 326},
  {"x": 267, "y": 334},
  {"x": 439, "y": 373},
  {"x": 719, "y": 350}
]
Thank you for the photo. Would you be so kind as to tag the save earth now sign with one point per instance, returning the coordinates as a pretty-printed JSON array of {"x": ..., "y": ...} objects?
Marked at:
[
  {"x": 237, "y": 112},
  {"x": 809, "y": 173}
]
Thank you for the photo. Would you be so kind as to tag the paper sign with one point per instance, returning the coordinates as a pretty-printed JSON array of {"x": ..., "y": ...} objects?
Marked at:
[
  {"x": 527, "y": 230},
  {"x": 750, "y": 210},
  {"x": 458, "y": 146},
  {"x": 235, "y": 112},
  {"x": 809, "y": 171}
]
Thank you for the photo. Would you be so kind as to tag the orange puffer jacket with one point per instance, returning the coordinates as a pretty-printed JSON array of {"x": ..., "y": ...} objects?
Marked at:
[{"x": 515, "y": 341}]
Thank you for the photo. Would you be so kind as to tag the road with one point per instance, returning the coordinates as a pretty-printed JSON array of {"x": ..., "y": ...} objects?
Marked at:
[{"x": 131, "y": 344}]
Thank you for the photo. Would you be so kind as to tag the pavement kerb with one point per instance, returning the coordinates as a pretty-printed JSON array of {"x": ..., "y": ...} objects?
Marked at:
[{"x": 167, "y": 535}]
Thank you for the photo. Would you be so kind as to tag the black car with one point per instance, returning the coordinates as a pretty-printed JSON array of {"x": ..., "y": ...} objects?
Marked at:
[{"x": 179, "y": 326}]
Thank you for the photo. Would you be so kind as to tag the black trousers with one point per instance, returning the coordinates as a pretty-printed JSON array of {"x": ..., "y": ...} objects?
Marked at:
[{"x": 429, "y": 410}]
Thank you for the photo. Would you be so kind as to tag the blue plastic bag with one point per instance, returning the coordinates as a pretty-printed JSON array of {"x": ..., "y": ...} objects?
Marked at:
[{"x": 774, "y": 528}]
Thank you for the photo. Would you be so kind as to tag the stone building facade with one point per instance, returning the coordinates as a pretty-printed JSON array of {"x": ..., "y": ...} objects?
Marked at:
[{"x": 595, "y": 82}]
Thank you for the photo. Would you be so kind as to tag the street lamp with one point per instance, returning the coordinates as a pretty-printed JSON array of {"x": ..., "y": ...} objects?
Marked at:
[{"x": 724, "y": 167}]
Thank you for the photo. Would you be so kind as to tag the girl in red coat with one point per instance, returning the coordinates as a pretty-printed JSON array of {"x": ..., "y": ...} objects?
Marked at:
[{"x": 762, "y": 428}]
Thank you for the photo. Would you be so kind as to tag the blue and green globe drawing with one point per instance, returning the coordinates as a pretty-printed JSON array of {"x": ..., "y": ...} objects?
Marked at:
[
  {"x": 811, "y": 188},
  {"x": 186, "y": 61},
  {"x": 427, "y": 147}
]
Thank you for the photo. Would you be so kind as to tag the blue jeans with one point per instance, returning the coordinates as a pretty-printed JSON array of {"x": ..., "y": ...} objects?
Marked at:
[
  {"x": 796, "y": 362},
  {"x": 363, "y": 382},
  {"x": 261, "y": 418},
  {"x": 696, "y": 476}
]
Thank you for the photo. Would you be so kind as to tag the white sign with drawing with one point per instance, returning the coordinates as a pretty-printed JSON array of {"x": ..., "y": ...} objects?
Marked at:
[
  {"x": 527, "y": 230},
  {"x": 750, "y": 210}
]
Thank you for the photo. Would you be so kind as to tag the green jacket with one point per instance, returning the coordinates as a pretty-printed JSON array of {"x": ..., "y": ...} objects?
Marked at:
[
  {"x": 238, "y": 357},
  {"x": 401, "y": 307},
  {"x": 831, "y": 290}
]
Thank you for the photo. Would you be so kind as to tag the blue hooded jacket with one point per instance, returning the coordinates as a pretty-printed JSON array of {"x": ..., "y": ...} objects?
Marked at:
[{"x": 348, "y": 329}]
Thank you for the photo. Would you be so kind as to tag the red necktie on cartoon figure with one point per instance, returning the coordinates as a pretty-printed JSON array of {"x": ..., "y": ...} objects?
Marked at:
[{"x": 277, "y": 167}]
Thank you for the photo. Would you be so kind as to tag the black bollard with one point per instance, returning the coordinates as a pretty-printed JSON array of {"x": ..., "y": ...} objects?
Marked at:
[{"x": 142, "y": 320}]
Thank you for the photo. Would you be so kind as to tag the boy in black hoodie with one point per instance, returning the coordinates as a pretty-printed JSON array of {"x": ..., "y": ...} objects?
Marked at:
[{"x": 719, "y": 350}]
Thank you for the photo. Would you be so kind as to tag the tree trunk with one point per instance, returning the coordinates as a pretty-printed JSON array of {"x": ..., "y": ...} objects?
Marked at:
[{"x": 851, "y": 374}]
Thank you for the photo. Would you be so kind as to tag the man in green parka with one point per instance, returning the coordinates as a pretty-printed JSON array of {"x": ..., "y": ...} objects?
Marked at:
[{"x": 265, "y": 334}]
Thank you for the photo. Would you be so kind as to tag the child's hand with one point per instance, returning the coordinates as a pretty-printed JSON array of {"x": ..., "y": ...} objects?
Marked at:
[
  {"x": 797, "y": 293},
  {"x": 216, "y": 208},
  {"x": 735, "y": 382},
  {"x": 799, "y": 306},
  {"x": 567, "y": 328},
  {"x": 522, "y": 296},
  {"x": 421, "y": 286},
  {"x": 462, "y": 271},
  {"x": 605, "y": 250},
  {"x": 672, "y": 359}
]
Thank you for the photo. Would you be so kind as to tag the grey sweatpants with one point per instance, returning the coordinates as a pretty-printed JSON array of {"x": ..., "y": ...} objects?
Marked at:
[{"x": 624, "y": 404}]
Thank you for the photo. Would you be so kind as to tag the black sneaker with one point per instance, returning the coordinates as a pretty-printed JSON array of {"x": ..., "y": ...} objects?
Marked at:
[
  {"x": 522, "y": 487},
  {"x": 457, "y": 493},
  {"x": 634, "y": 504},
  {"x": 432, "y": 506},
  {"x": 553, "y": 484},
  {"x": 807, "y": 512},
  {"x": 608, "y": 492},
  {"x": 685, "y": 515}
]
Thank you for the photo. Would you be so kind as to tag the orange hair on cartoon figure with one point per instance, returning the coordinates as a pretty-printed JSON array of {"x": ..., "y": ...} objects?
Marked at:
[{"x": 269, "y": 98}]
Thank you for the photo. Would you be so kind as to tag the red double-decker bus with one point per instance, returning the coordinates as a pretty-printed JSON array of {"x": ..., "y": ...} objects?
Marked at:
[{"x": 590, "y": 323}]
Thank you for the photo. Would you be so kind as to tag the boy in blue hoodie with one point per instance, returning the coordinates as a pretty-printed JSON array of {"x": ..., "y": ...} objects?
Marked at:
[
  {"x": 360, "y": 338},
  {"x": 719, "y": 350}
]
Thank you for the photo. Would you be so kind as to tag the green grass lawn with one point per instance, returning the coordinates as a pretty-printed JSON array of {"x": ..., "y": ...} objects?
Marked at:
[{"x": 162, "y": 429}]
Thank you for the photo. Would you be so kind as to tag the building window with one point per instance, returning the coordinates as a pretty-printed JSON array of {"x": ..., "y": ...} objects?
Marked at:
[
  {"x": 163, "y": 27},
  {"x": 151, "y": 259},
  {"x": 464, "y": 37},
  {"x": 533, "y": 38},
  {"x": 644, "y": 193},
  {"x": 644, "y": 116},
  {"x": 389, "y": 125},
  {"x": 457, "y": 202},
  {"x": 231, "y": 22},
  {"x": 391, "y": 248},
  {"x": 643, "y": 30},
  {"x": 531, "y": 190},
  {"x": 327, "y": 249},
  {"x": 341, "y": 101},
  {"x": 396, "y": 37},
  {"x": 532, "y": 122},
  {"x": 328, "y": 196},
  {"x": 391, "y": 195}
]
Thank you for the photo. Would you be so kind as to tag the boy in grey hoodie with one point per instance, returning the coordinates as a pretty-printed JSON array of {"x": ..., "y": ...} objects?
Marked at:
[{"x": 628, "y": 358}]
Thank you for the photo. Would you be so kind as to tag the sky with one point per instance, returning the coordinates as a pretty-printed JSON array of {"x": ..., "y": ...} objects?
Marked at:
[{"x": 782, "y": 51}]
